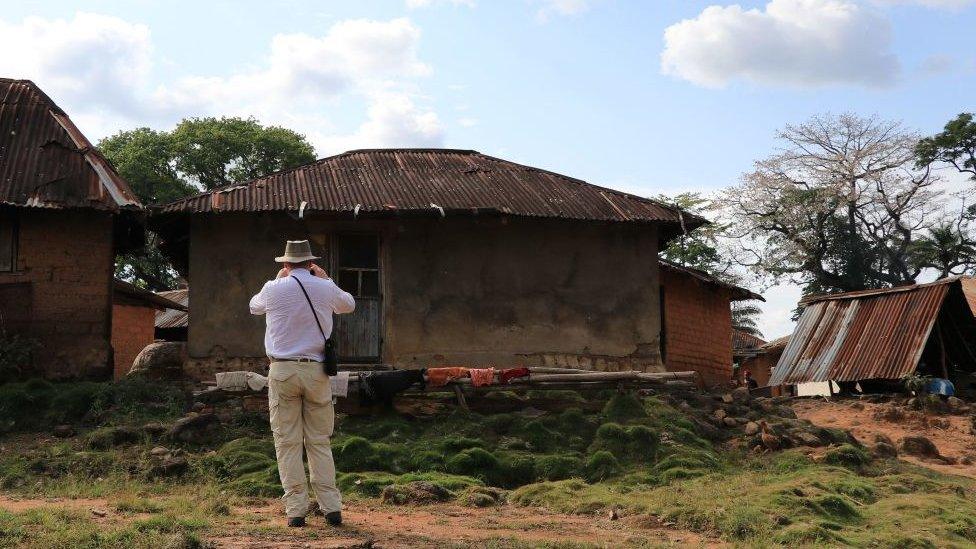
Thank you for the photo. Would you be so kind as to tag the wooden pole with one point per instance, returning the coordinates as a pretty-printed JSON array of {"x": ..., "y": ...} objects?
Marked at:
[{"x": 942, "y": 349}]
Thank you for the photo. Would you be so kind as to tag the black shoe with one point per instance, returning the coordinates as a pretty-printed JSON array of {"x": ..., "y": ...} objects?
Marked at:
[
  {"x": 296, "y": 522},
  {"x": 334, "y": 518}
]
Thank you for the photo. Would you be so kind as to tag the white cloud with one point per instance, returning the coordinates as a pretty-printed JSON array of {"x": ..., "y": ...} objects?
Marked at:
[
  {"x": 937, "y": 4},
  {"x": 415, "y": 4},
  {"x": 467, "y": 122},
  {"x": 99, "y": 69},
  {"x": 561, "y": 7},
  {"x": 936, "y": 64},
  {"x": 789, "y": 42},
  {"x": 98, "y": 60}
]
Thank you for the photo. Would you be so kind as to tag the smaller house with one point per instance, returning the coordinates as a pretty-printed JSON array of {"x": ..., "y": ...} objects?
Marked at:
[
  {"x": 134, "y": 313},
  {"x": 884, "y": 335},
  {"x": 761, "y": 360},
  {"x": 697, "y": 322}
]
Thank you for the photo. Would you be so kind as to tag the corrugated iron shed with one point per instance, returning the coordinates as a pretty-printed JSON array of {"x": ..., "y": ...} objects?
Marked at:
[
  {"x": 174, "y": 317},
  {"x": 871, "y": 334},
  {"x": 434, "y": 181},
  {"x": 46, "y": 162}
]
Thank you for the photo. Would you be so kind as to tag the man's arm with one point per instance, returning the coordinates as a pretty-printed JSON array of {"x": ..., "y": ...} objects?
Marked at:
[
  {"x": 259, "y": 303},
  {"x": 343, "y": 302}
]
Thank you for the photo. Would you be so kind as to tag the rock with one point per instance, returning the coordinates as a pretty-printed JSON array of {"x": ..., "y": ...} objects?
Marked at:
[
  {"x": 879, "y": 437},
  {"x": 198, "y": 406},
  {"x": 160, "y": 360},
  {"x": 741, "y": 394},
  {"x": 613, "y": 515},
  {"x": 728, "y": 398},
  {"x": 919, "y": 446},
  {"x": 741, "y": 420},
  {"x": 98, "y": 512},
  {"x": 154, "y": 428},
  {"x": 884, "y": 450},
  {"x": 857, "y": 405},
  {"x": 63, "y": 431},
  {"x": 785, "y": 411},
  {"x": 195, "y": 428},
  {"x": 955, "y": 403},
  {"x": 806, "y": 438},
  {"x": 159, "y": 451},
  {"x": 730, "y": 422},
  {"x": 418, "y": 492},
  {"x": 720, "y": 414},
  {"x": 708, "y": 431},
  {"x": 751, "y": 428},
  {"x": 171, "y": 466}
]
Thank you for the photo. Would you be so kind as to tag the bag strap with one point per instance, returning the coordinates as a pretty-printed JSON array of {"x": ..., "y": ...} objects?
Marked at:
[{"x": 314, "y": 314}]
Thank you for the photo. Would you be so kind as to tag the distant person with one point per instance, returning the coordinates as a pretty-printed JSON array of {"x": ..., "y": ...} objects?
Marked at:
[
  {"x": 749, "y": 381},
  {"x": 298, "y": 306}
]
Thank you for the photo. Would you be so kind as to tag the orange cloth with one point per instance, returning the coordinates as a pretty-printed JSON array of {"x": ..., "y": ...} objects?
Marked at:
[
  {"x": 482, "y": 376},
  {"x": 438, "y": 377}
]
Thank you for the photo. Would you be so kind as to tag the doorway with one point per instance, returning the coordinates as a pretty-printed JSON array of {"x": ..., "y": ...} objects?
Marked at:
[{"x": 356, "y": 258}]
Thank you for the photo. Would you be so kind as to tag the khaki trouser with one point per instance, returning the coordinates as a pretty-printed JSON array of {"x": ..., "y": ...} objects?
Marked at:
[{"x": 300, "y": 401}]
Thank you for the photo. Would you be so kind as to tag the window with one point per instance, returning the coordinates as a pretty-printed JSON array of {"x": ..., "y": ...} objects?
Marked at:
[
  {"x": 8, "y": 242},
  {"x": 358, "y": 265}
]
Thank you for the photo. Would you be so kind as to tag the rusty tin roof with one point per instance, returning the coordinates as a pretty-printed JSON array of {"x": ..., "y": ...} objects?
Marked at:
[
  {"x": 436, "y": 181},
  {"x": 46, "y": 162},
  {"x": 870, "y": 334},
  {"x": 174, "y": 318},
  {"x": 737, "y": 293}
]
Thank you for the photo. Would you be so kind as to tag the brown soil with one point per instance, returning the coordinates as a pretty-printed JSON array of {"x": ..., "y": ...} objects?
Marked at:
[
  {"x": 369, "y": 524},
  {"x": 953, "y": 439}
]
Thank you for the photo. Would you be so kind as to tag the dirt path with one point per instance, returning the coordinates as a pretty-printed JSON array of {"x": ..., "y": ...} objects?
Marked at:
[
  {"x": 369, "y": 524},
  {"x": 953, "y": 439}
]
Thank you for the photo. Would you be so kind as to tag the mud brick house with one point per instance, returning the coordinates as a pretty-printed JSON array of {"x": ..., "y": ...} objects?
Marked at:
[
  {"x": 763, "y": 359},
  {"x": 134, "y": 313},
  {"x": 454, "y": 257},
  {"x": 697, "y": 313},
  {"x": 64, "y": 214}
]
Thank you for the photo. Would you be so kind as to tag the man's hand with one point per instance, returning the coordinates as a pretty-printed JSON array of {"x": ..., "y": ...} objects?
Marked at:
[
  {"x": 283, "y": 272},
  {"x": 319, "y": 271}
]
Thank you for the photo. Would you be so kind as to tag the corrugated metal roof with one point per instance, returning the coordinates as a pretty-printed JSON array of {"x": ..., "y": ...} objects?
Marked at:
[
  {"x": 430, "y": 180},
  {"x": 873, "y": 334},
  {"x": 744, "y": 341},
  {"x": 143, "y": 296},
  {"x": 738, "y": 293},
  {"x": 46, "y": 162},
  {"x": 174, "y": 318}
]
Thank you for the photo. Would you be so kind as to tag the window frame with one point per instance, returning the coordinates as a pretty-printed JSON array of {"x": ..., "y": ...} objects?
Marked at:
[{"x": 14, "y": 240}]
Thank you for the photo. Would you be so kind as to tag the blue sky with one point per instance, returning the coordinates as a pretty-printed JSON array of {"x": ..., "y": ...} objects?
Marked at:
[{"x": 576, "y": 86}]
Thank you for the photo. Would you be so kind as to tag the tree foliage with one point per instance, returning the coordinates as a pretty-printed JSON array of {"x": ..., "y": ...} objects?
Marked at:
[
  {"x": 843, "y": 206},
  {"x": 199, "y": 154},
  {"x": 955, "y": 145}
]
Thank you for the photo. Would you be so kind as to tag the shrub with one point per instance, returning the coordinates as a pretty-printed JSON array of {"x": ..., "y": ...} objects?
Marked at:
[
  {"x": 601, "y": 465},
  {"x": 624, "y": 406},
  {"x": 475, "y": 462},
  {"x": 15, "y": 354},
  {"x": 558, "y": 467}
]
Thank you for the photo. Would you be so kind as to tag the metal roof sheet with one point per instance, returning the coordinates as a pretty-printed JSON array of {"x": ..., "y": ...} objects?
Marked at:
[
  {"x": 143, "y": 296},
  {"x": 45, "y": 160},
  {"x": 439, "y": 181},
  {"x": 738, "y": 293},
  {"x": 174, "y": 318},
  {"x": 874, "y": 334}
]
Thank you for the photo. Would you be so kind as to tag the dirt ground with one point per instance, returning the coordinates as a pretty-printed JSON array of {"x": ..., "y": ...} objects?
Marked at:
[
  {"x": 379, "y": 526},
  {"x": 949, "y": 433}
]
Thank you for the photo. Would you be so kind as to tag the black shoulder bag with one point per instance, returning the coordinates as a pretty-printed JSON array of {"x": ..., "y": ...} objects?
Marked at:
[{"x": 331, "y": 363}]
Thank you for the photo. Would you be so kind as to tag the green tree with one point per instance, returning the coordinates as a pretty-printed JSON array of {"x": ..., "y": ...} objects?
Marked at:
[
  {"x": 955, "y": 145},
  {"x": 700, "y": 249},
  {"x": 199, "y": 154}
]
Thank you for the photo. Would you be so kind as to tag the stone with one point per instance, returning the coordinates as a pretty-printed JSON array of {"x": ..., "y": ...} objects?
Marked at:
[
  {"x": 195, "y": 428},
  {"x": 884, "y": 450},
  {"x": 159, "y": 451},
  {"x": 63, "y": 431},
  {"x": 785, "y": 411},
  {"x": 955, "y": 403},
  {"x": 171, "y": 466},
  {"x": 751, "y": 428},
  {"x": 741, "y": 394},
  {"x": 720, "y": 414},
  {"x": 741, "y": 420},
  {"x": 919, "y": 446},
  {"x": 154, "y": 428},
  {"x": 857, "y": 405},
  {"x": 730, "y": 422},
  {"x": 161, "y": 360},
  {"x": 728, "y": 398},
  {"x": 806, "y": 438}
]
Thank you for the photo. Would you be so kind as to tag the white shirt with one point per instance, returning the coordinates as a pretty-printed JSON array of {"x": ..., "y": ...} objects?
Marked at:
[{"x": 291, "y": 330}]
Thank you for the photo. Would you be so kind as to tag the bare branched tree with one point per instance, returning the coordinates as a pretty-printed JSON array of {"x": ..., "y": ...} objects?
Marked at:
[{"x": 842, "y": 206}]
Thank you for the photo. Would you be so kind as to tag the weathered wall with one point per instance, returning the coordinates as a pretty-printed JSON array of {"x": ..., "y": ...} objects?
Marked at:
[
  {"x": 65, "y": 259},
  {"x": 761, "y": 366},
  {"x": 697, "y": 327},
  {"x": 133, "y": 327},
  {"x": 466, "y": 290}
]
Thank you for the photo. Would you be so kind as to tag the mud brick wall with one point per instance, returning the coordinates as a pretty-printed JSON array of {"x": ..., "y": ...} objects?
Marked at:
[
  {"x": 133, "y": 328},
  {"x": 697, "y": 327},
  {"x": 66, "y": 258}
]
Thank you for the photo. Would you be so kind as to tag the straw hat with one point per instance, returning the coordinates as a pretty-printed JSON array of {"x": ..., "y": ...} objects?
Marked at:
[{"x": 297, "y": 251}]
